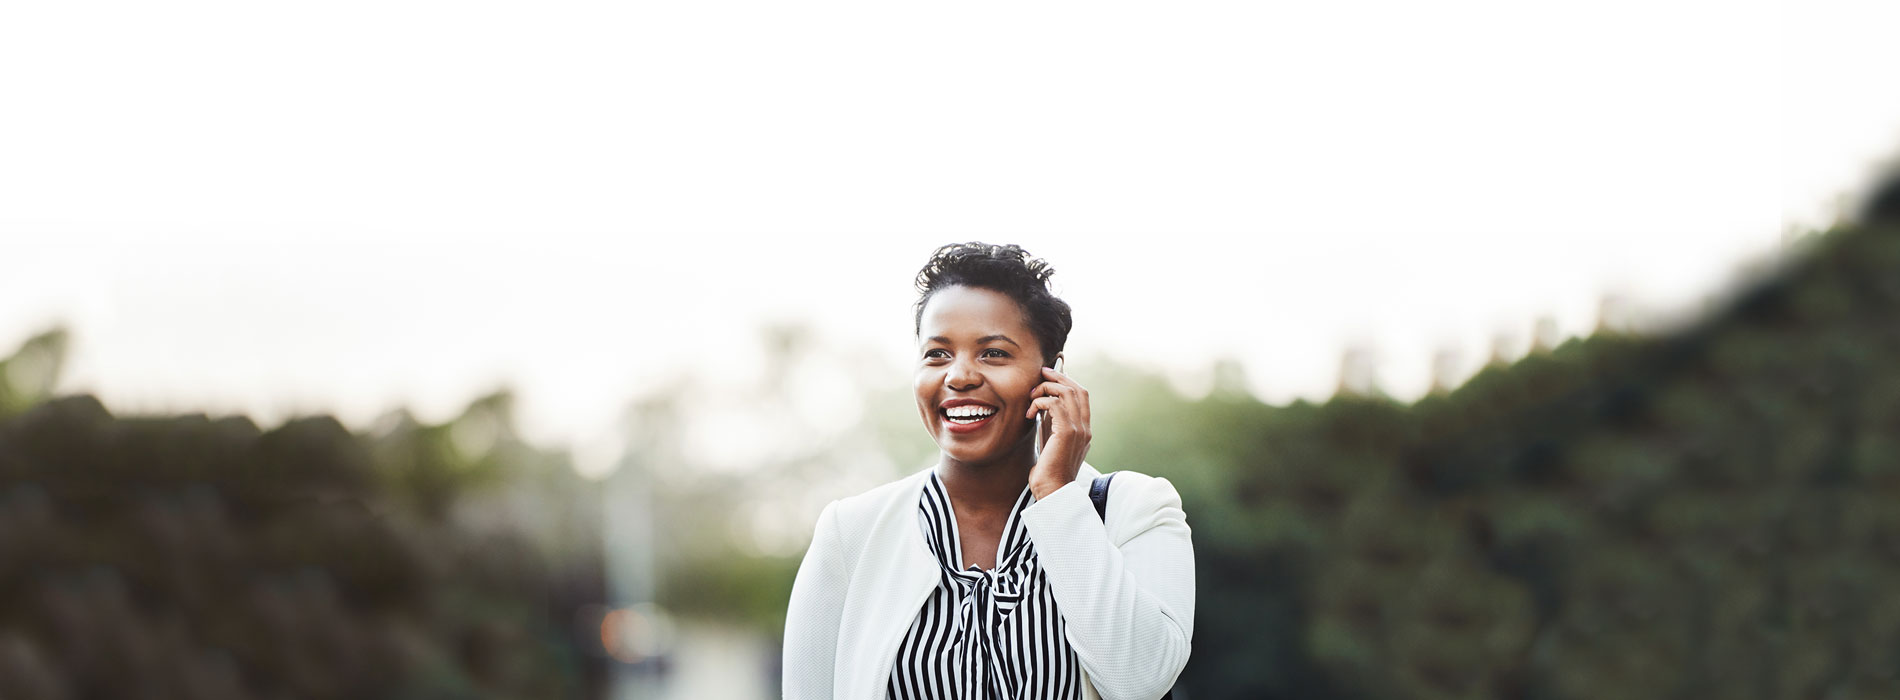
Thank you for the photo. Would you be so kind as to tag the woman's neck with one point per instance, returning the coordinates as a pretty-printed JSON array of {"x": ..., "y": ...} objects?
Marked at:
[{"x": 988, "y": 485}]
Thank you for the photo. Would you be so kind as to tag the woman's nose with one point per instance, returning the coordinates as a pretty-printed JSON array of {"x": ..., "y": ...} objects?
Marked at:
[{"x": 963, "y": 375}]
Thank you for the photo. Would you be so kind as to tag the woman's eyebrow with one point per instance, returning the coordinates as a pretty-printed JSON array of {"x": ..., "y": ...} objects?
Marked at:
[{"x": 979, "y": 341}]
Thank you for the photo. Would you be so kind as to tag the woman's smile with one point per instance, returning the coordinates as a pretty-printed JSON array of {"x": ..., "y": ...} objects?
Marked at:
[{"x": 964, "y": 416}]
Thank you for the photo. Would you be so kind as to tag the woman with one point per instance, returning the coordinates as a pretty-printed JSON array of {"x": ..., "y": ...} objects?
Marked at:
[{"x": 990, "y": 574}]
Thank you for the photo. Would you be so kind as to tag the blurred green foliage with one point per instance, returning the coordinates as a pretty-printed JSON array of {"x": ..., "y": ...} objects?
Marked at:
[
  {"x": 1710, "y": 512},
  {"x": 185, "y": 557}
]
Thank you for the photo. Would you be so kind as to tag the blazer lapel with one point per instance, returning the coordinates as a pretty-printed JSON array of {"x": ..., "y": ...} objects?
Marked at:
[{"x": 894, "y": 576}]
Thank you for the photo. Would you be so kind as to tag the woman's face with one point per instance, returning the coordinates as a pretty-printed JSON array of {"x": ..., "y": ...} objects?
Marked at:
[{"x": 976, "y": 364}]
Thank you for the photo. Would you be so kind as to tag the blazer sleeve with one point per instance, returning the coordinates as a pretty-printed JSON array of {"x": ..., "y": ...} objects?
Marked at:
[
  {"x": 811, "y": 618},
  {"x": 1129, "y": 610}
]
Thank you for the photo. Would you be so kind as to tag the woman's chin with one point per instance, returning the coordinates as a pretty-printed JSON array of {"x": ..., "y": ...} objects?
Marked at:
[{"x": 967, "y": 453}]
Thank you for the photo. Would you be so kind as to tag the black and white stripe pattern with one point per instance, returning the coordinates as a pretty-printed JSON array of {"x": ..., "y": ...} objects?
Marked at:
[{"x": 984, "y": 635}]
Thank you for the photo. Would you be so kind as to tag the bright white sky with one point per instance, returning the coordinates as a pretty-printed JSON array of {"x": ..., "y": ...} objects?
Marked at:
[{"x": 351, "y": 206}]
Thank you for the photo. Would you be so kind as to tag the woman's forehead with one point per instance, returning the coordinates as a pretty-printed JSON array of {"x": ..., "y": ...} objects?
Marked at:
[{"x": 972, "y": 312}]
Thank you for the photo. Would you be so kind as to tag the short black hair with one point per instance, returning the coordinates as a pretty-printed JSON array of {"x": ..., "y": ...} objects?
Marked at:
[{"x": 1006, "y": 269}]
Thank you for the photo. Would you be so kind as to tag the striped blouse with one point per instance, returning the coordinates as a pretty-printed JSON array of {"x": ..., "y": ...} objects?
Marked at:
[{"x": 988, "y": 635}]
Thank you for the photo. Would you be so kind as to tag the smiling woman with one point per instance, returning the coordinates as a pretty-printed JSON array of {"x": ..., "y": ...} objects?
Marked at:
[{"x": 995, "y": 573}]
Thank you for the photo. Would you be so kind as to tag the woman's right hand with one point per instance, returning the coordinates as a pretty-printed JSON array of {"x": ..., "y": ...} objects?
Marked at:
[{"x": 1066, "y": 418}]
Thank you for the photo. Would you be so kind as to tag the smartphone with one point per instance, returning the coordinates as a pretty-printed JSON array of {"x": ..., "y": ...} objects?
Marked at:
[{"x": 1042, "y": 430}]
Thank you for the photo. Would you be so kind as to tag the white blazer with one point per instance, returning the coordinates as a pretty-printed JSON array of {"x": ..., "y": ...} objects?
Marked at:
[{"x": 1125, "y": 587}]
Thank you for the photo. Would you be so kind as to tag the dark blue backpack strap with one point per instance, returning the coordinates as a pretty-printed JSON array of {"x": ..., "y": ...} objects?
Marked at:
[{"x": 1098, "y": 492}]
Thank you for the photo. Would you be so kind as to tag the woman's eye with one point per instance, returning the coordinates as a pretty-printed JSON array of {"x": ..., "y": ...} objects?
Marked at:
[
  {"x": 936, "y": 354},
  {"x": 995, "y": 352}
]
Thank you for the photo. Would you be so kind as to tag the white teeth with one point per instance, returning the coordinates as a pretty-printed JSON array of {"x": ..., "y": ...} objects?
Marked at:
[{"x": 971, "y": 412}]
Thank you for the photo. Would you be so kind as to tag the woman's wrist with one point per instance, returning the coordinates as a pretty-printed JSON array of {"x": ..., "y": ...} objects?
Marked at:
[{"x": 1042, "y": 488}]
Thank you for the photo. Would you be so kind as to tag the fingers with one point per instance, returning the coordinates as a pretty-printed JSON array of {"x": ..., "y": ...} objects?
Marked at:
[
  {"x": 1053, "y": 404},
  {"x": 1049, "y": 374},
  {"x": 1072, "y": 394},
  {"x": 1066, "y": 406},
  {"x": 1050, "y": 389},
  {"x": 1054, "y": 382},
  {"x": 1061, "y": 384}
]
